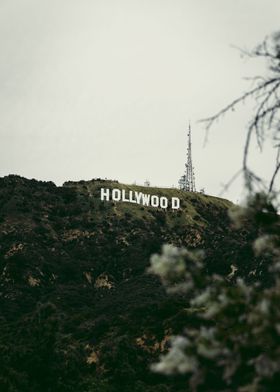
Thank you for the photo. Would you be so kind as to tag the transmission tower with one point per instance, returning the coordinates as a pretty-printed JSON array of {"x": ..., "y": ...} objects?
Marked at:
[{"x": 187, "y": 181}]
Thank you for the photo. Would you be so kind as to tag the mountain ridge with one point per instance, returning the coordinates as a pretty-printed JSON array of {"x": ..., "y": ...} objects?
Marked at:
[{"x": 79, "y": 264}]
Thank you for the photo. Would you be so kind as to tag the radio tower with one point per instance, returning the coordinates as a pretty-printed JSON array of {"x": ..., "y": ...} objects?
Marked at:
[{"x": 187, "y": 181}]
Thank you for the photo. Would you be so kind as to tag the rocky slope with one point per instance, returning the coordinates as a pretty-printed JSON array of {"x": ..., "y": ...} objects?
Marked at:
[{"x": 78, "y": 312}]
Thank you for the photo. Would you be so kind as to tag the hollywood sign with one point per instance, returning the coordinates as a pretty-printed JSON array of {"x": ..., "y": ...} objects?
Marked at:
[{"x": 135, "y": 197}]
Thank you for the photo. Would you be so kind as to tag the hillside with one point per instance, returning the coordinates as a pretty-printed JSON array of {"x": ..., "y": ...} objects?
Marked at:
[{"x": 78, "y": 310}]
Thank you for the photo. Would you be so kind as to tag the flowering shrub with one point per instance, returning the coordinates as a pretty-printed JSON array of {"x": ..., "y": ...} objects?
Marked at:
[{"x": 234, "y": 343}]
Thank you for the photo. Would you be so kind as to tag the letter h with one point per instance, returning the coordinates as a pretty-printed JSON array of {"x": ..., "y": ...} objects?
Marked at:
[{"x": 105, "y": 193}]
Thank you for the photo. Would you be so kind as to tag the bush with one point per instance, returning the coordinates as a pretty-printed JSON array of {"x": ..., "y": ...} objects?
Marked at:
[{"x": 233, "y": 342}]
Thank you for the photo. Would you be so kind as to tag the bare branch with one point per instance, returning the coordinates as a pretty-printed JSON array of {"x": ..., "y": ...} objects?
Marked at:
[
  {"x": 266, "y": 113},
  {"x": 258, "y": 115},
  {"x": 275, "y": 171},
  {"x": 230, "y": 182},
  {"x": 210, "y": 120}
]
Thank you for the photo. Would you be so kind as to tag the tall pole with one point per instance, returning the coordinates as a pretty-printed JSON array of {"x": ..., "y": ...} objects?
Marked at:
[{"x": 187, "y": 181}]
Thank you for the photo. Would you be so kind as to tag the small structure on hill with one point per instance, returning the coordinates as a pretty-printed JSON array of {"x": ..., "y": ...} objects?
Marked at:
[
  {"x": 187, "y": 181},
  {"x": 147, "y": 183}
]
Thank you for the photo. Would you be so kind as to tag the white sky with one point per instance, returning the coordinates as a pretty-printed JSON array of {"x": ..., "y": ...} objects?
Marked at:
[{"x": 105, "y": 88}]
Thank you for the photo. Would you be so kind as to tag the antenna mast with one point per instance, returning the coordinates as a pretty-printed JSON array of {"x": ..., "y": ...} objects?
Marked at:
[{"x": 187, "y": 181}]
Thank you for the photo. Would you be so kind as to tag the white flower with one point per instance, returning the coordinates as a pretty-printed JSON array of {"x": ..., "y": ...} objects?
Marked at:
[
  {"x": 176, "y": 360},
  {"x": 202, "y": 298}
]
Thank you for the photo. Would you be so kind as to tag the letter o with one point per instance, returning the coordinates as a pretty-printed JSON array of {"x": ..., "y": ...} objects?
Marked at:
[
  {"x": 154, "y": 201},
  {"x": 116, "y": 194},
  {"x": 163, "y": 202}
]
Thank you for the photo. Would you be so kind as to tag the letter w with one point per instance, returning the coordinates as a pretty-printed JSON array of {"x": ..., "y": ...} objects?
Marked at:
[{"x": 146, "y": 199}]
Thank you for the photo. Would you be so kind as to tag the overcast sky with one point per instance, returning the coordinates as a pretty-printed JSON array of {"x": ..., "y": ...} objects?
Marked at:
[{"x": 105, "y": 88}]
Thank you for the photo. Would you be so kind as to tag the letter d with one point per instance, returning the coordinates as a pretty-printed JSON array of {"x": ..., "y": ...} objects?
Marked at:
[{"x": 175, "y": 203}]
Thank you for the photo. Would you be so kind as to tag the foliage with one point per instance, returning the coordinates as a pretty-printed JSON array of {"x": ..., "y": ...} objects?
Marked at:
[
  {"x": 234, "y": 344},
  {"x": 60, "y": 331}
]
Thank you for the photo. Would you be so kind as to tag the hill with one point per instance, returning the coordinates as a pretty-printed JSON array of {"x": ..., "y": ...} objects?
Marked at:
[{"x": 78, "y": 310}]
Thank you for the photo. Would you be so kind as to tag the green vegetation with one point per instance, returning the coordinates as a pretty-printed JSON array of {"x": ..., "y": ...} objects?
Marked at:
[
  {"x": 231, "y": 341},
  {"x": 78, "y": 310},
  {"x": 189, "y": 202}
]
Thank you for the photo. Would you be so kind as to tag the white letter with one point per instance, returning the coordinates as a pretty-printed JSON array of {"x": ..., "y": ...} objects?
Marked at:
[
  {"x": 154, "y": 201},
  {"x": 175, "y": 201},
  {"x": 145, "y": 199},
  {"x": 105, "y": 193},
  {"x": 116, "y": 194},
  {"x": 138, "y": 196},
  {"x": 131, "y": 198},
  {"x": 163, "y": 202},
  {"x": 123, "y": 196}
]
